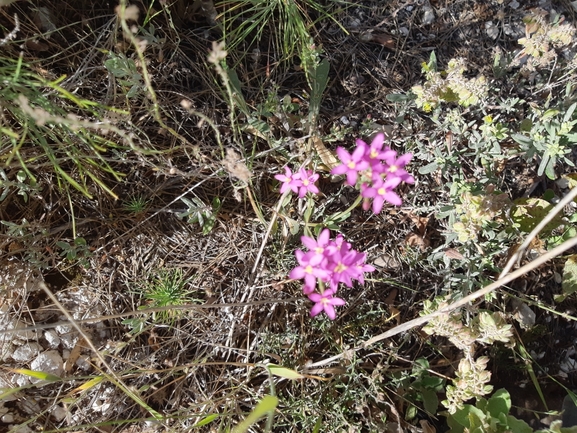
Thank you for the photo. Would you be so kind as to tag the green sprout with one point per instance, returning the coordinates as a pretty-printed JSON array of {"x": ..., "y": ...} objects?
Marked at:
[
  {"x": 136, "y": 204},
  {"x": 169, "y": 287}
]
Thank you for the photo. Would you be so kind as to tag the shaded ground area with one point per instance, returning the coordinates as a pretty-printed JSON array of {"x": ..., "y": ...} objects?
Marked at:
[{"x": 241, "y": 311}]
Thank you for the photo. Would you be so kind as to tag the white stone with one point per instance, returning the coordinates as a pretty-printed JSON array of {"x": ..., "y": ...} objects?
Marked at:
[
  {"x": 52, "y": 338},
  {"x": 27, "y": 352},
  {"x": 514, "y": 4},
  {"x": 23, "y": 335},
  {"x": 22, "y": 380},
  {"x": 428, "y": 15},
  {"x": 48, "y": 362},
  {"x": 83, "y": 362},
  {"x": 68, "y": 336},
  {"x": 58, "y": 413},
  {"x": 8, "y": 418},
  {"x": 492, "y": 30}
]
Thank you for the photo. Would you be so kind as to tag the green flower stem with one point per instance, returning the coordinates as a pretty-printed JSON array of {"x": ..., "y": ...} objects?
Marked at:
[{"x": 347, "y": 210}]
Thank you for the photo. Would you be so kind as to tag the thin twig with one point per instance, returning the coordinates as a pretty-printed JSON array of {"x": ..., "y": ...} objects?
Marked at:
[
  {"x": 10, "y": 36},
  {"x": 517, "y": 256}
]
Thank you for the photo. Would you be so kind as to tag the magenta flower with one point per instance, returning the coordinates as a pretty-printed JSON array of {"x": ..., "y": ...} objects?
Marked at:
[
  {"x": 375, "y": 154},
  {"x": 289, "y": 181},
  {"x": 325, "y": 302},
  {"x": 344, "y": 269},
  {"x": 309, "y": 271},
  {"x": 380, "y": 171},
  {"x": 308, "y": 179},
  {"x": 352, "y": 163},
  {"x": 318, "y": 249},
  {"x": 394, "y": 167},
  {"x": 381, "y": 192},
  {"x": 332, "y": 262},
  {"x": 362, "y": 267}
]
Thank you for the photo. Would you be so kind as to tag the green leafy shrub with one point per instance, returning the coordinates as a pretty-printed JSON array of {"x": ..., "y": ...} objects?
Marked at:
[{"x": 448, "y": 86}]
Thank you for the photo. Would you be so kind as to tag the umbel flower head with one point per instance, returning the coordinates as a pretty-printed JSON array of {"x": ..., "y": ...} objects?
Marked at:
[
  {"x": 376, "y": 171},
  {"x": 327, "y": 264}
]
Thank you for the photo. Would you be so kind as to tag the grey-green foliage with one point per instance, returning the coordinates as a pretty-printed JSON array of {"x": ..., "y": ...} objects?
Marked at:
[
  {"x": 492, "y": 416},
  {"x": 23, "y": 184},
  {"x": 201, "y": 213},
  {"x": 548, "y": 135},
  {"x": 75, "y": 250},
  {"x": 125, "y": 71}
]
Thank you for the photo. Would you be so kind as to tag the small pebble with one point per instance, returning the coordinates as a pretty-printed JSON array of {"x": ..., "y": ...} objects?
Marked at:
[{"x": 8, "y": 418}]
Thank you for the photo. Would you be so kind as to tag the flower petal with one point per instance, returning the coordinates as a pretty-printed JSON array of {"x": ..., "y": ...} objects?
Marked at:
[
  {"x": 330, "y": 311},
  {"x": 317, "y": 308}
]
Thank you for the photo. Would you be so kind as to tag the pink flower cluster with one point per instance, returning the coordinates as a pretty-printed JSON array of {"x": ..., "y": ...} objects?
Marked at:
[
  {"x": 302, "y": 181},
  {"x": 378, "y": 169},
  {"x": 331, "y": 262}
]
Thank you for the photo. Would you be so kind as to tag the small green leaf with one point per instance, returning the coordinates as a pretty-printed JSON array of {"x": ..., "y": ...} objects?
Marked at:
[
  {"x": 430, "y": 400},
  {"x": 523, "y": 140},
  {"x": 63, "y": 245},
  {"x": 397, "y": 97},
  {"x": 287, "y": 373},
  {"x": 464, "y": 416},
  {"x": 206, "y": 420},
  {"x": 267, "y": 405},
  {"x": 80, "y": 241},
  {"x": 499, "y": 403},
  {"x": 569, "y": 278},
  {"x": 429, "y": 168},
  {"x": 38, "y": 374},
  {"x": 518, "y": 426}
]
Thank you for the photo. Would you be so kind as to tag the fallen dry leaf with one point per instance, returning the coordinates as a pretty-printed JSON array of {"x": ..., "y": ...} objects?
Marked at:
[
  {"x": 453, "y": 254},
  {"x": 415, "y": 240},
  {"x": 391, "y": 297},
  {"x": 378, "y": 37}
]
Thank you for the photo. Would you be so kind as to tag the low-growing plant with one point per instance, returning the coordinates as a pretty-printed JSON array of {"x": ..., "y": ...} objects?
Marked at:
[
  {"x": 376, "y": 171},
  {"x": 487, "y": 416},
  {"x": 22, "y": 183},
  {"x": 136, "y": 204},
  {"x": 167, "y": 288},
  {"x": 449, "y": 85},
  {"x": 200, "y": 213},
  {"x": 75, "y": 250},
  {"x": 548, "y": 136},
  {"x": 545, "y": 33}
]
